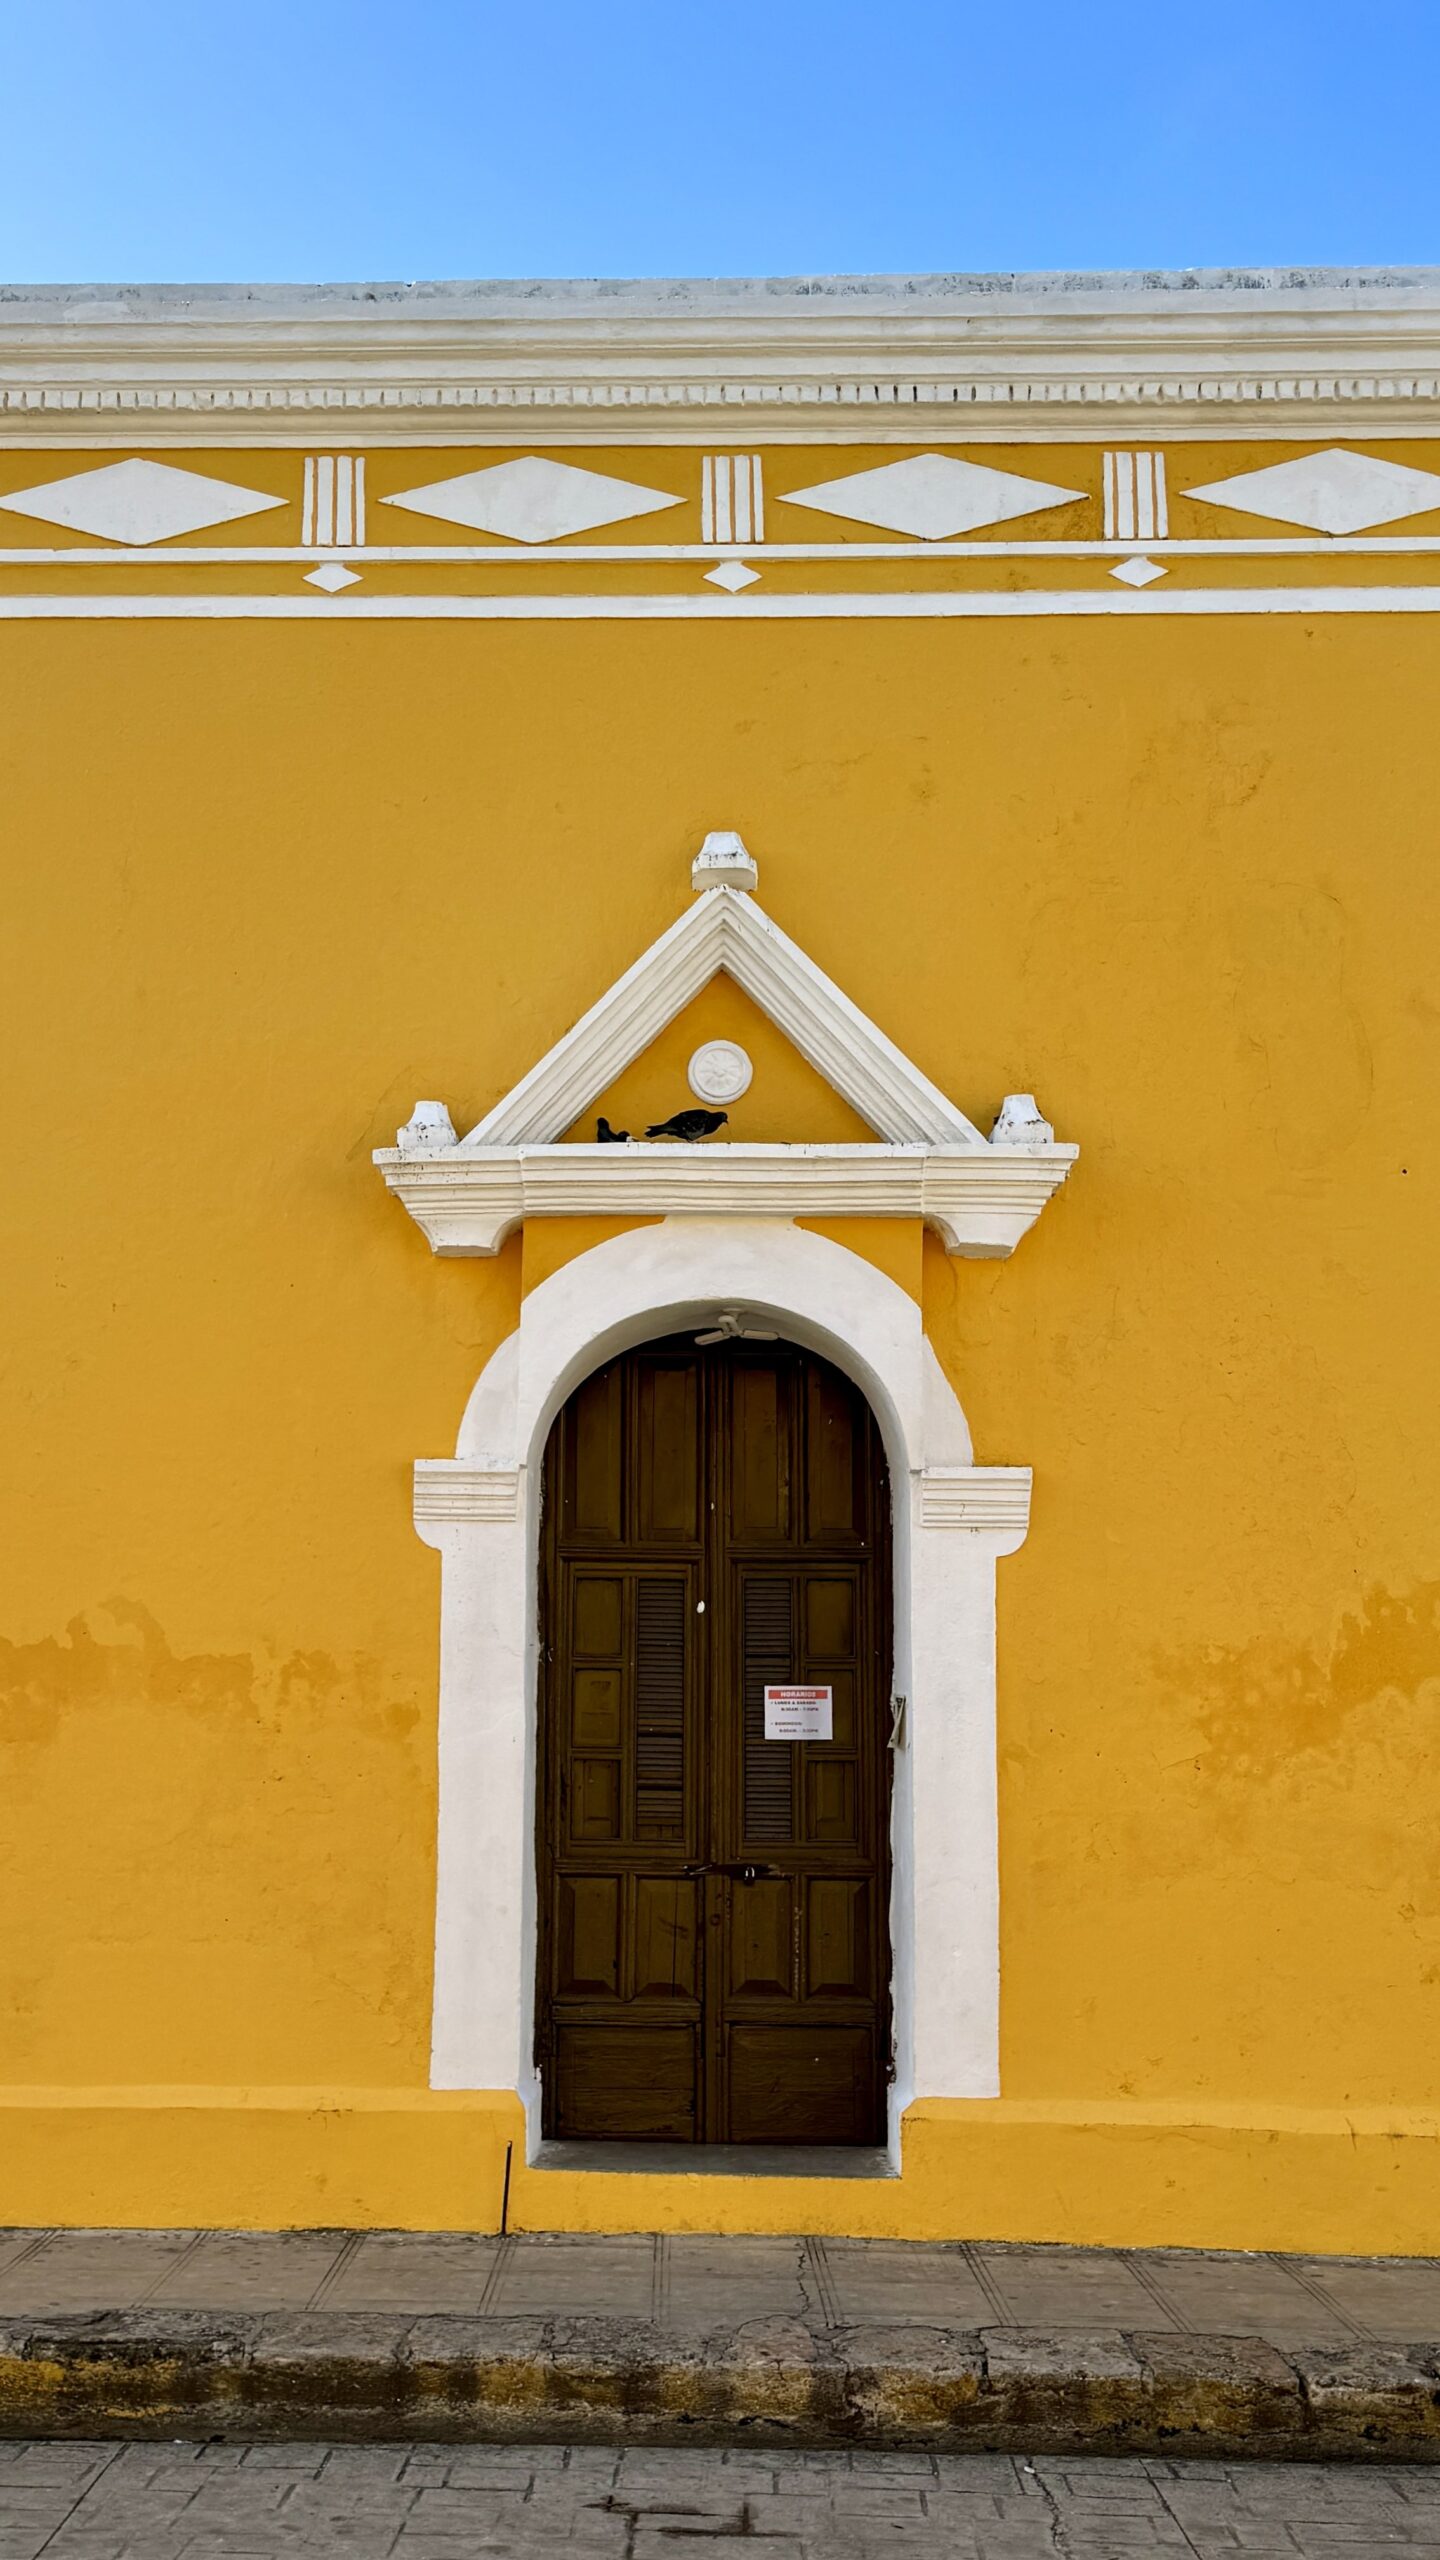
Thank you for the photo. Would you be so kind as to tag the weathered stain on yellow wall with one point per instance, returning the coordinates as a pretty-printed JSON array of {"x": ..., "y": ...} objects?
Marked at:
[{"x": 272, "y": 882}]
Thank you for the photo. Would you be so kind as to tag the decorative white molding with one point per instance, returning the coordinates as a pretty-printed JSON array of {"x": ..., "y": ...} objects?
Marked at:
[
  {"x": 332, "y": 501},
  {"x": 944, "y": 1815},
  {"x": 725, "y": 930},
  {"x": 724, "y": 861},
  {"x": 975, "y": 1498},
  {"x": 933, "y": 496},
  {"x": 732, "y": 498},
  {"x": 981, "y": 1201},
  {"x": 840, "y": 359},
  {"x": 533, "y": 499},
  {"x": 1019, "y": 1122},
  {"x": 1026, "y": 605},
  {"x": 453, "y": 1489},
  {"x": 428, "y": 1128},
  {"x": 135, "y": 503},
  {"x": 1137, "y": 508},
  {"x": 1336, "y": 492},
  {"x": 720, "y": 1071}
]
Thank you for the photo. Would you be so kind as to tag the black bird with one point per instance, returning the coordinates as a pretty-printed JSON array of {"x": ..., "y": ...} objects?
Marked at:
[
  {"x": 605, "y": 1136},
  {"x": 689, "y": 1125}
]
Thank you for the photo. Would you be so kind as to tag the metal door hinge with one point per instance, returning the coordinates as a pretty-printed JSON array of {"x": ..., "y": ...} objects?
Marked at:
[{"x": 897, "y": 1725}]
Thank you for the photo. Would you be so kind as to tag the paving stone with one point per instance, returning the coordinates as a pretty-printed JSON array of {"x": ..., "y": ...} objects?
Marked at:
[
  {"x": 878, "y": 2282},
  {"x": 1370, "y": 2393},
  {"x": 245, "y": 2271},
  {"x": 611, "y": 2277},
  {"x": 715, "y": 2281},
  {"x": 1391, "y": 2298},
  {"x": 1251, "y": 2296},
  {"x": 416, "y": 2271},
  {"x": 1211, "y": 2386},
  {"x": 90, "y": 2270},
  {"x": 1068, "y": 2288},
  {"x": 308, "y": 2337}
]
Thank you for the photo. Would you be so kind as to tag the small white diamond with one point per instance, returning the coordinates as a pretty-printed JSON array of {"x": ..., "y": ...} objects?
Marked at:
[
  {"x": 1138, "y": 573},
  {"x": 533, "y": 500},
  {"x": 1334, "y": 492},
  {"x": 933, "y": 495},
  {"x": 137, "y": 502},
  {"x": 732, "y": 575},
  {"x": 332, "y": 577}
]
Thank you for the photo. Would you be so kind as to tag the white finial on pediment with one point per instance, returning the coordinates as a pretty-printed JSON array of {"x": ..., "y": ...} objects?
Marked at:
[
  {"x": 723, "y": 863},
  {"x": 1018, "y": 1123},
  {"x": 429, "y": 1125}
]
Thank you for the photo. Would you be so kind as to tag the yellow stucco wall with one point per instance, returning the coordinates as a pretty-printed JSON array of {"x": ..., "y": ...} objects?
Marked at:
[{"x": 271, "y": 881}]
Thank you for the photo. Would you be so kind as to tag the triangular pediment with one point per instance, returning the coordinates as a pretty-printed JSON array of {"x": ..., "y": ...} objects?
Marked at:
[
  {"x": 726, "y": 932},
  {"x": 778, "y": 1098}
]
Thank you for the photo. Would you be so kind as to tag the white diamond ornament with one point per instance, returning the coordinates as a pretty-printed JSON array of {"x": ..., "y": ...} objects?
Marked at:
[
  {"x": 332, "y": 577},
  {"x": 1138, "y": 572},
  {"x": 533, "y": 500},
  {"x": 137, "y": 502},
  {"x": 732, "y": 575},
  {"x": 1334, "y": 492},
  {"x": 932, "y": 495}
]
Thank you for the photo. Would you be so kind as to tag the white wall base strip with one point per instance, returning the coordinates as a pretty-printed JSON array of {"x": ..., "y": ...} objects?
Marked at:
[{"x": 713, "y": 608}]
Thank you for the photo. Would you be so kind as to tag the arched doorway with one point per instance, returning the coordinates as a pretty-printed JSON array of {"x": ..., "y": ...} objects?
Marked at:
[{"x": 713, "y": 1896}]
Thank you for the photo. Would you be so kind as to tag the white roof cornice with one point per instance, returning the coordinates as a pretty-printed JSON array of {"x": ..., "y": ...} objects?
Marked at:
[{"x": 844, "y": 358}]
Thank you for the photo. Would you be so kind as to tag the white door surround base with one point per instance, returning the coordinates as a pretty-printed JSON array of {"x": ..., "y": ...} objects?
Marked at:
[{"x": 953, "y": 1521}]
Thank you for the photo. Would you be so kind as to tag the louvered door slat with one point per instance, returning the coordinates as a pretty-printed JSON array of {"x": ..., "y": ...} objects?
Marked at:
[
  {"x": 659, "y": 1709},
  {"x": 767, "y": 1643}
]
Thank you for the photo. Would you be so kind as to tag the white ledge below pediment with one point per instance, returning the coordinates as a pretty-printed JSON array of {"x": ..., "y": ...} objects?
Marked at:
[{"x": 980, "y": 1200}]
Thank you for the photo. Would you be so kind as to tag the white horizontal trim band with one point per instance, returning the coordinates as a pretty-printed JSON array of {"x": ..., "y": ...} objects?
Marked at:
[
  {"x": 1039, "y": 603},
  {"x": 549, "y": 554},
  {"x": 975, "y": 1498},
  {"x": 981, "y": 1200},
  {"x": 453, "y": 1489}
]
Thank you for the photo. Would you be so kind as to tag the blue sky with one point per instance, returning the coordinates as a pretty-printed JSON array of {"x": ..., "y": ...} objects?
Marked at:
[{"x": 309, "y": 139}]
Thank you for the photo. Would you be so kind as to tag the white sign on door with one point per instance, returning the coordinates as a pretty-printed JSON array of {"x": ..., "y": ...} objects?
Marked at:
[{"x": 799, "y": 1715}]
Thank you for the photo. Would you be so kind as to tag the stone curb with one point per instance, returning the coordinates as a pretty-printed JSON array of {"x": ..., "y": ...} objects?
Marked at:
[{"x": 456, "y": 2379}]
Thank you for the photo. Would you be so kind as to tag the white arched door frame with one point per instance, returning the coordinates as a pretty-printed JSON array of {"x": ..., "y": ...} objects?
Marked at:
[{"x": 952, "y": 1523}]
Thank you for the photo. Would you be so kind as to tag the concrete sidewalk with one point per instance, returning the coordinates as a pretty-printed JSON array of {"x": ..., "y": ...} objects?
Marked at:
[{"x": 446, "y": 2337}]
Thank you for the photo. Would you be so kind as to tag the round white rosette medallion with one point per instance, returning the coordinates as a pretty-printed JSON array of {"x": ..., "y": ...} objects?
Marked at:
[{"x": 720, "y": 1071}]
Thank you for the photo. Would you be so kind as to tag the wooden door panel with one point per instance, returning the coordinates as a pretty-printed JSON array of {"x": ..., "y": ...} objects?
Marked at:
[
  {"x": 829, "y": 1618},
  {"x": 665, "y": 1469},
  {"x": 598, "y": 1616},
  {"x": 802, "y": 2084},
  {"x": 715, "y": 1522},
  {"x": 594, "y": 1801},
  {"x": 762, "y": 1938},
  {"x": 588, "y": 1935},
  {"x": 633, "y": 2084},
  {"x": 665, "y": 1938},
  {"x": 596, "y": 1709},
  {"x": 593, "y": 1421},
  {"x": 838, "y": 1937},
  {"x": 759, "y": 1452},
  {"x": 835, "y": 1433},
  {"x": 832, "y": 1818}
]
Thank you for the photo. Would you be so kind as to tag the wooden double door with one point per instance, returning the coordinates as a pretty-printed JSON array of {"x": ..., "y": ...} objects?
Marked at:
[{"x": 714, "y": 1956}]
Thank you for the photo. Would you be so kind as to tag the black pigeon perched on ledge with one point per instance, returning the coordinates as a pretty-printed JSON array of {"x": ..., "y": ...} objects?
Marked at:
[
  {"x": 605, "y": 1136},
  {"x": 689, "y": 1125}
]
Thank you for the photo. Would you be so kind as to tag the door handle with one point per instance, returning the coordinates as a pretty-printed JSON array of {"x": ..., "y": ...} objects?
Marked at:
[{"x": 742, "y": 1874}]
